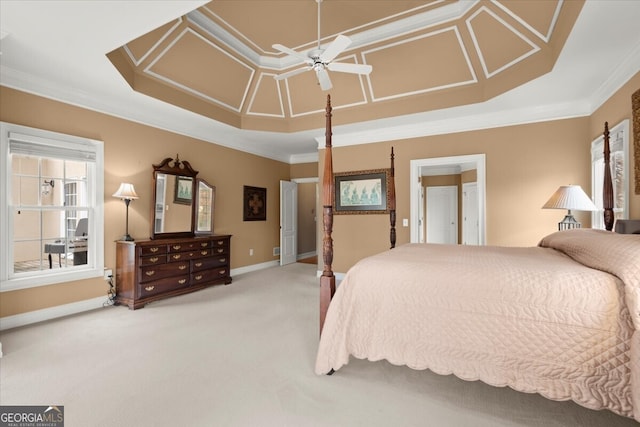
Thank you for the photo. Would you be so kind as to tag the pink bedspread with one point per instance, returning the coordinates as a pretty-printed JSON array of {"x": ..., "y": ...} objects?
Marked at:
[{"x": 553, "y": 319}]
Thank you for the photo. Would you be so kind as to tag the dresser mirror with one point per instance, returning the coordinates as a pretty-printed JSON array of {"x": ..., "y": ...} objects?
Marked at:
[
  {"x": 174, "y": 193},
  {"x": 205, "y": 197}
]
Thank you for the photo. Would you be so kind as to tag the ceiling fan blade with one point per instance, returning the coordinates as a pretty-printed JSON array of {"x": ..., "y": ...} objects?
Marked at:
[
  {"x": 323, "y": 79},
  {"x": 291, "y": 52},
  {"x": 344, "y": 67},
  {"x": 335, "y": 48},
  {"x": 290, "y": 73}
]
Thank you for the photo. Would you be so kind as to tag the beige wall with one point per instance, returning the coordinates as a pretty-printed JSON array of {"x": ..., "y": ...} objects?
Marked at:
[
  {"x": 130, "y": 150},
  {"x": 525, "y": 164}
]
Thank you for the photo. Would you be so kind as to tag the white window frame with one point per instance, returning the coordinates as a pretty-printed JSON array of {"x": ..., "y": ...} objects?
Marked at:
[
  {"x": 95, "y": 202},
  {"x": 618, "y": 143}
]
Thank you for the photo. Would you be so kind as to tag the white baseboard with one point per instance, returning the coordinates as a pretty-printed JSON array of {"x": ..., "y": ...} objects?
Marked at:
[
  {"x": 306, "y": 255},
  {"x": 36, "y": 316}
]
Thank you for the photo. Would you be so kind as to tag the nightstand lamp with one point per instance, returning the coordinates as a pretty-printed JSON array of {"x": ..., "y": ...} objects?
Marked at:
[{"x": 570, "y": 197}]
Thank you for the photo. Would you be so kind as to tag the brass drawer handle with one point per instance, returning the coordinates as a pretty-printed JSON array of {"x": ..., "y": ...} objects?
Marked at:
[
  {"x": 176, "y": 247},
  {"x": 181, "y": 281},
  {"x": 149, "y": 288},
  {"x": 204, "y": 245},
  {"x": 154, "y": 259},
  {"x": 154, "y": 250},
  {"x": 220, "y": 242},
  {"x": 182, "y": 267},
  {"x": 198, "y": 264},
  {"x": 222, "y": 260},
  {"x": 220, "y": 251},
  {"x": 150, "y": 273},
  {"x": 204, "y": 252},
  {"x": 177, "y": 256},
  {"x": 222, "y": 272},
  {"x": 198, "y": 277}
]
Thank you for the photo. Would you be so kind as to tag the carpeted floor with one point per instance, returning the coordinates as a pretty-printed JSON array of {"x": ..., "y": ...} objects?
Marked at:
[{"x": 243, "y": 355}]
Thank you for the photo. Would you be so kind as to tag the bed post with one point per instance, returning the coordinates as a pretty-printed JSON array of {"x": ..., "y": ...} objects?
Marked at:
[
  {"x": 327, "y": 280},
  {"x": 392, "y": 202},
  {"x": 607, "y": 189}
]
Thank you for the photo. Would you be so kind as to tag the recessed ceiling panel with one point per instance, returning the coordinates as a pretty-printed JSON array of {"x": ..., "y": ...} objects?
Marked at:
[
  {"x": 306, "y": 97},
  {"x": 499, "y": 45},
  {"x": 431, "y": 61},
  {"x": 212, "y": 73},
  {"x": 267, "y": 99}
]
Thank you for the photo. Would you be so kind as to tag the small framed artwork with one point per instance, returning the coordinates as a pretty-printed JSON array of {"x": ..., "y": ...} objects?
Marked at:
[
  {"x": 255, "y": 203},
  {"x": 362, "y": 192},
  {"x": 184, "y": 190}
]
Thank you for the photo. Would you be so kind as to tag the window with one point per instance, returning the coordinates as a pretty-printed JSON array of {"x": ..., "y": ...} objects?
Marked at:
[
  {"x": 619, "y": 147},
  {"x": 51, "y": 204}
]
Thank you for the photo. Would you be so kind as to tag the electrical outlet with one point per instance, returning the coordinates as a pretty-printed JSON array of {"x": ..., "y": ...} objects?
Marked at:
[
  {"x": 250, "y": 252},
  {"x": 405, "y": 222},
  {"x": 276, "y": 251},
  {"x": 108, "y": 273}
]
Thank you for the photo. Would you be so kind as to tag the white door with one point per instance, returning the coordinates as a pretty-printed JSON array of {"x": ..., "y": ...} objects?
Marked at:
[
  {"x": 421, "y": 222},
  {"x": 470, "y": 229},
  {"x": 442, "y": 214},
  {"x": 288, "y": 222}
]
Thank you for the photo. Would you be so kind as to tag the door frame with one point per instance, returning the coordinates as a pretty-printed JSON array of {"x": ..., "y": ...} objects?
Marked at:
[
  {"x": 477, "y": 161},
  {"x": 300, "y": 181}
]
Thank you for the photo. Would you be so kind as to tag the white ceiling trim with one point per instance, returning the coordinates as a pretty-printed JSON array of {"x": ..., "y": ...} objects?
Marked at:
[
  {"x": 544, "y": 37},
  {"x": 163, "y": 38}
]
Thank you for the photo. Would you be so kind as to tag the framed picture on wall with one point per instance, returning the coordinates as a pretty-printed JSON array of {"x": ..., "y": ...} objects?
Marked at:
[
  {"x": 255, "y": 204},
  {"x": 362, "y": 192}
]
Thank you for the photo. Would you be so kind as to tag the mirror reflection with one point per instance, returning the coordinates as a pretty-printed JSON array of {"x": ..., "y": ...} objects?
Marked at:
[
  {"x": 204, "y": 207},
  {"x": 173, "y": 199},
  {"x": 173, "y": 203}
]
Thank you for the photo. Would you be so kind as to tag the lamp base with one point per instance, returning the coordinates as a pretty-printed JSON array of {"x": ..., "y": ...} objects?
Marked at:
[
  {"x": 127, "y": 238},
  {"x": 568, "y": 223}
]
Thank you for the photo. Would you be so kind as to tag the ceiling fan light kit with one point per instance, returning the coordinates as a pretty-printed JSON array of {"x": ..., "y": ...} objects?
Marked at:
[{"x": 320, "y": 60}]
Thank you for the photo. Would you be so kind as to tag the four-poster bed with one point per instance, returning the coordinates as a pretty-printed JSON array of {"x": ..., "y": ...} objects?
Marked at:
[{"x": 561, "y": 319}]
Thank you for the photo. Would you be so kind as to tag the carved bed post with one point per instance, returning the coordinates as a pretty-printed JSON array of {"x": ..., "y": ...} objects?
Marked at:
[
  {"x": 327, "y": 280},
  {"x": 607, "y": 189},
  {"x": 392, "y": 202}
]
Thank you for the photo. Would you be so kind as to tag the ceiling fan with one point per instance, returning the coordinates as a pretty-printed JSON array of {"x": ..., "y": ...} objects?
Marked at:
[{"x": 320, "y": 60}]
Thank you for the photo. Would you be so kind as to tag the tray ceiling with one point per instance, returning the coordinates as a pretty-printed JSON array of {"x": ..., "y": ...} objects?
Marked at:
[{"x": 217, "y": 60}]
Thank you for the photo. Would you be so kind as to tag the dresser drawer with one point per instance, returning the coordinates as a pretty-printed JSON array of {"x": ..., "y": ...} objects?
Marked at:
[
  {"x": 163, "y": 285},
  {"x": 220, "y": 244},
  {"x": 189, "y": 246},
  {"x": 153, "y": 250},
  {"x": 155, "y": 272},
  {"x": 201, "y": 253},
  {"x": 153, "y": 259},
  {"x": 209, "y": 275},
  {"x": 211, "y": 262}
]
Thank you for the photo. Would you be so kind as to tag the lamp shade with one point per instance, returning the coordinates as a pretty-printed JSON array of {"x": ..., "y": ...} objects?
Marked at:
[
  {"x": 126, "y": 192},
  {"x": 570, "y": 197}
]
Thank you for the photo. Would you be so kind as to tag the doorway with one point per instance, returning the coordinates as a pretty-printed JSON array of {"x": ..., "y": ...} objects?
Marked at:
[
  {"x": 422, "y": 167},
  {"x": 298, "y": 242}
]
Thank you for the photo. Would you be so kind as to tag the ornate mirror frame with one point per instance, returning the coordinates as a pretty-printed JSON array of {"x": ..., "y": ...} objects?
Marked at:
[{"x": 184, "y": 192}]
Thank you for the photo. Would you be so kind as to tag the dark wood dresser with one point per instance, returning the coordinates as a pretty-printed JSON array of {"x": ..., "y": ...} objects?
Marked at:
[{"x": 149, "y": 270}]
